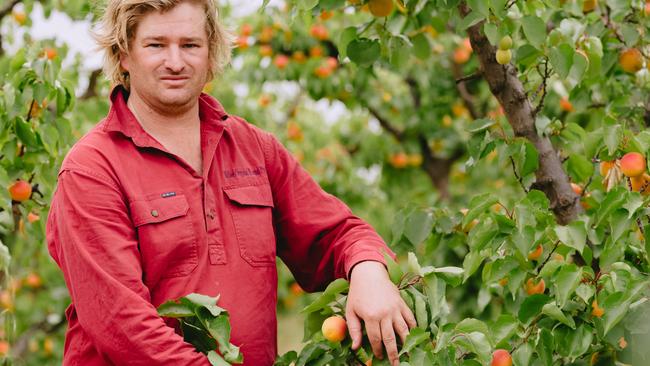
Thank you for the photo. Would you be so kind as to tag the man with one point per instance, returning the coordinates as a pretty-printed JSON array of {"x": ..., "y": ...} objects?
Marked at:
[{"x": 170, "y": 195}]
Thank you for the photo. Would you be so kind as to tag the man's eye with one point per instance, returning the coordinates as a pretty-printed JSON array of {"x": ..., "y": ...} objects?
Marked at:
[
  {"x": 191, "y": 45},
  {"x": 154, "y": 45}
]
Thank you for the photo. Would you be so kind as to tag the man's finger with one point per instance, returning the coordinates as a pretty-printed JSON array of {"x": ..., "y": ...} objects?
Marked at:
[
  {"x": 408, "y": 316},
  {"x": 374, "y": 336},
  {"x": 400, "y": 327},
  {"x": 388, "y": 336},
  {"x": 354, "y": 328}
]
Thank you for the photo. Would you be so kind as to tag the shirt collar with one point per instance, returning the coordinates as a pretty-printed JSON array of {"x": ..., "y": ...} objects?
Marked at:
[{"x": 121, "y": 119}]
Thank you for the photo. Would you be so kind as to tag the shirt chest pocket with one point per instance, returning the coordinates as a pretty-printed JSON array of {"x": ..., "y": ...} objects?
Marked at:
[
  {"x": 166, "y": 236},
  {"x": 251, "y": 208}
]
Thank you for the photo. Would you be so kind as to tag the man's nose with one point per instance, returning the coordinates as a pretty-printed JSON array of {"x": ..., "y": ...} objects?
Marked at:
[{"x": 174, "y": 60}]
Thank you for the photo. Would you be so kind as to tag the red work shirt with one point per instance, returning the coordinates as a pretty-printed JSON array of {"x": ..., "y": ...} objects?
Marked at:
[{"x": 132, "y": 225}]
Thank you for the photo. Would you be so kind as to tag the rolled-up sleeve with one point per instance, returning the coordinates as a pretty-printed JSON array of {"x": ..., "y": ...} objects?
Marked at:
[
  {"x": 318, "y": 236},
  {"x": 91, "y": 237}
]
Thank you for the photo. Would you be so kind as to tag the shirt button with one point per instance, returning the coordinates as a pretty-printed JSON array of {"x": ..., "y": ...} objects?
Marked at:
[
  {"x": 211, "y": 216},
  {"x": 154, "y": 213}
]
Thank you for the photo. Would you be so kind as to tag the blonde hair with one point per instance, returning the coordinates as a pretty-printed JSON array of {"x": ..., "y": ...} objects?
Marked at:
[{"x": 120, "y": 19}]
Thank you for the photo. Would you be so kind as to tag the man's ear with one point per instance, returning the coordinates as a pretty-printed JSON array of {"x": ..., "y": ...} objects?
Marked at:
[{"x": 124, "y": 61}]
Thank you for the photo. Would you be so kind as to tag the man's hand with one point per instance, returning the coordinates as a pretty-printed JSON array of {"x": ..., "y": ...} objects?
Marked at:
[{"x": 374, "y": 299}]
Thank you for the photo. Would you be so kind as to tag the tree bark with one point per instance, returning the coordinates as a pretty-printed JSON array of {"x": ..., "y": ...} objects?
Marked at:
[{"x": 509, "y": 91}]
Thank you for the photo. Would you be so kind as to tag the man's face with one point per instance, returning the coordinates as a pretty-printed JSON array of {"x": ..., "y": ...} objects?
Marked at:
[{"x": 168, "y": 62}]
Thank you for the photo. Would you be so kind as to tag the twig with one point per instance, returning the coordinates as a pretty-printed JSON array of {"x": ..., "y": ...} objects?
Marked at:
[
  {"x": 519, "y": 179},
  {"x": 474, "y": 76},
  {"x": 548, "y": 257},
  {"x": 545, "y": 77}
]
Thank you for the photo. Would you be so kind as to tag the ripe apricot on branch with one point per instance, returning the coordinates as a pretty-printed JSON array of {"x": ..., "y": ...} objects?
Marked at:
[
  {"x": 576, "y": 189},
  {"x": 399, "y": 160},
  {"x": 605, "y": 166},
  {"x": 334, "y": 328},
  {"x": 641, "y": 184},
  {"x": 20, "y": 191},
  {"x": 281, "y": 61},
  {"x": 631, "y": 60},
  {"x": 380, "y": 8},
  {"x": 533, "y": 288},
  {"x": 504, "y": 56},
  {"x": 536, "y": 253},
  {"x": 19, "y": 17},
  {"x": 589, "y": 6},
  {"x": 501, "y": 357},
  {"x": 565, "y": 105},
  {"x": 597, "y": 311},
  {"x": 633, "y": 164}
]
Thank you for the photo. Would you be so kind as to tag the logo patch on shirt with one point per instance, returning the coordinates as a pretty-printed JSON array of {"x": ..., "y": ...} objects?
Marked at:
[
  {"x": 244, "y": 172},
  {"x": 168, "y": 194}
]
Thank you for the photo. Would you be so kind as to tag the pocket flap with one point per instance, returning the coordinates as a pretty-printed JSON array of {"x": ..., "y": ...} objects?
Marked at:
[
  {"x": 158, "y": 209},
  {"x": 251, "y": 195}
]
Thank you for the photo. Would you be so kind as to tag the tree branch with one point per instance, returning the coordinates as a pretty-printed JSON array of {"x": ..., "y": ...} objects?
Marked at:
[
  {"x": 509, "y": 91},
  {"x": 91, "y": 90},
  {"x": 5, "y": 10},
  {"x": 399, "y": 135},
  {"x": 461, "y": 86}
]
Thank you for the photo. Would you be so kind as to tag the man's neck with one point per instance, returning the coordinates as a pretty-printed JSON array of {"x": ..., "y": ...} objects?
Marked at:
[{"x": 166, "y": 123}]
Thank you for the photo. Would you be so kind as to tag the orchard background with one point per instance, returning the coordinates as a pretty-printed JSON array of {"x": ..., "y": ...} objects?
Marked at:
[{"x": 484, "y": 140}]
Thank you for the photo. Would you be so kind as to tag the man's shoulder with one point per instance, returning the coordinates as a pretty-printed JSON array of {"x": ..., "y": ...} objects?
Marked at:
[
  {"x": 90, "y": 151},
  {"x": 242, "y": 129}
]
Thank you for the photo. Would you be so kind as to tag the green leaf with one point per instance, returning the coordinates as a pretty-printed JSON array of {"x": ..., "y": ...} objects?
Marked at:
[
  {"x": 503, "y": 329},
  {"x": 573, "y": 343},
  {"x": 472, "y": 18},
  {"x": 336, "y": 287},
  {"x": 451, "y": 275},
  {"x": 421, "y": 46},
  {"x": 419, "y": 302},
  {"x": 307, "y": 4},
  {"x": 471, "y": 325},
  {"x": 348, "y": 34},
  {"x": 561, "y": 59},
  {"x": 397, "y": 228},
  {"x": 532, "y": 306},
  {"x": 471, "y": 262},
  {"x": 311, "y": 351},
  {"x": 566, "y": 281},
  {"x": 216, "y": 360},
  {"x": 415, "y": 337},
  {"x": 172, "y": 309},
  {"x": 619, "y": 224},
  {"x": 573, "y": 235},
  {"x": 613, "y": 138},
  {"x": 400, "y": 51},
  {"x": 555, "y": 313},
  {"x": 545, "y": 347},
  {"x": 534, "y": 30},
  {"x": 480, "y": 124},
  {"x": 612, "y": 202},
  {"x": 585, "y": 292},
  {"x": 434, "y": 289},
  {"x": 363, "y": 51},
  {"x": 394, "y": 271},
  {"x": 477, "y": 343},
  {"x": 25, "y": 133},
  {"x": 478, "y": 205},
  {"x": 579, "y": 167},
  {"x": 418, "y": 226},
  {"x": 522, "y": 355},
  {"x": 616, "y": 307}
]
